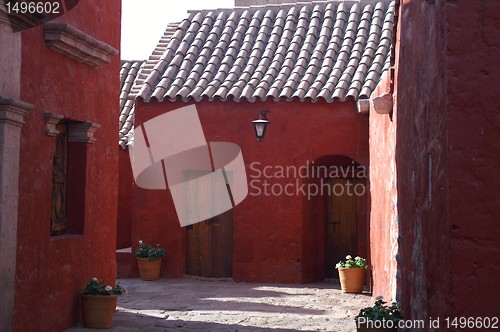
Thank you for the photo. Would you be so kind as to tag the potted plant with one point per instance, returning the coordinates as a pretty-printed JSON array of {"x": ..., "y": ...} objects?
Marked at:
[
  {"x": 352, "y": 274},
  {"x": 149, "y": 260},
  {"x": 380, "y": 317},
  {"x": 99, "y": 304}
]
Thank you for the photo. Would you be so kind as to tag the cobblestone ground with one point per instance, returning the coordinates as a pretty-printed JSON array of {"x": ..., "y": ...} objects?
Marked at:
[{"x": 204, "y": 305}]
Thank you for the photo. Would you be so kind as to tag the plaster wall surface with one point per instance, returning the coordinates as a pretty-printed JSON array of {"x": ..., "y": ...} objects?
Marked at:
[
  {"x": 383, "y": 198},
  {"x": 473, "y": 31},
  {"x": 270, "y": 231},
  {"x": 408, "y": 155},
  {"x": 125, "y": 203},
  {"x": 52, "y": 270},
  {"x": 446, "y": 125},
  {"x": 421, "y": 159}
]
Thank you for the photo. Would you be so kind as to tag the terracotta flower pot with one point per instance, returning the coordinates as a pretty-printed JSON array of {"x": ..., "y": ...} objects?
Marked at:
[
  {"x": 98, "y": 310},
  {"x": 352, "y": 279},
  {"x": 149, "y": 270}
]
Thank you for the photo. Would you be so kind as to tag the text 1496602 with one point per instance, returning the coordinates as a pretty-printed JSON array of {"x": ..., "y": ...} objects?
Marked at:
[{"x": 21, "y": 7}]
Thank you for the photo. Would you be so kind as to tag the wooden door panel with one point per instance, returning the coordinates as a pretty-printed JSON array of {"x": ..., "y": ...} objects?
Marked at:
[
  {"x": 199, "y": 250},
  {"x": 341, "y": 225},
  {"x": 209, "y": 251},
  {"x": 192, "y": 251},
  {"x": 222, "y": 259},
  {"x": 206, "y": 252}
]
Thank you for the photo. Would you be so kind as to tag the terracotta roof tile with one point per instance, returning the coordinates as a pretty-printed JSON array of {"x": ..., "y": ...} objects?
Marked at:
[
  {"x": 330, "y": 50},
  {"x": 320, "y": 50},
  {"x": 129, "y": 74},
  {"x": 133, "y": 75}
]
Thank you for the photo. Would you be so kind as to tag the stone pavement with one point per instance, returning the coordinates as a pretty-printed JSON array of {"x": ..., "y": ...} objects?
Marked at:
[{"x": 214, "y": 305}]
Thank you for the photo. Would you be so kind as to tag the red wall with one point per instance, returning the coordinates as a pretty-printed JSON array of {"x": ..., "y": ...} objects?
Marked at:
[
  {"x": 275, "y": 238},
  {"x": 421, "y": 159},
  {"x": 51, "y": 271},
  {"x": 125, "y": 203},
  {"x": 445, "y": 131},
  {"x": 384, "y": 198},
  {"x": 473, "y": 31}
]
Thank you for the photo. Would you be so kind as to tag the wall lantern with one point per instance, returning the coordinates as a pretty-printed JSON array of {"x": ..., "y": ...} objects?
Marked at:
[{"x": 260, "y": 125}]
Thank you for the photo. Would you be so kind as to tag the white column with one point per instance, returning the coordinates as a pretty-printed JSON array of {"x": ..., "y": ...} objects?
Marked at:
[{"x": 12, "y": 113}]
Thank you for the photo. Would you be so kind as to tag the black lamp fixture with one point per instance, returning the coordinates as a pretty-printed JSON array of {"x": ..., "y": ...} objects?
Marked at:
[{"x": 260, "y": 125}]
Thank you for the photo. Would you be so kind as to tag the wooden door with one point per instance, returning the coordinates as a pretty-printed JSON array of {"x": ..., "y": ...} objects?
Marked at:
[
  {"x": 210, "y": 247},
  {"x": 341, "y": 225}
]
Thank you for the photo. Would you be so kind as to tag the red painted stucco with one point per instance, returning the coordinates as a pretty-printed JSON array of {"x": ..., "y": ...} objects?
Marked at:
[
  {"x": 421, "y": 162},
  {"x": 276, "y": 238},
  {"x": 125, "y": 203},
  {"x": 409, "y": 232},
  {"x": 473, "y": 39},
  {"x": 51, "y": 271},
  {"x": 440, "y": 151},
  {"x": 383, "y": 197}
]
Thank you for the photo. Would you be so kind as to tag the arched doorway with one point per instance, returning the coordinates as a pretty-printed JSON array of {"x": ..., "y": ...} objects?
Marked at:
[
  {"x": 341, "y": 212},
  {"x": 341, "y": 222}
]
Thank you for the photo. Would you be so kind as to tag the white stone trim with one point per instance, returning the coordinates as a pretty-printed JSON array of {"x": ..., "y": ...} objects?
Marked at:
[
  {"x": 12, "y": 112},
  {"x": 52, "y": 120},
  {"x": 77, "y": 45}
]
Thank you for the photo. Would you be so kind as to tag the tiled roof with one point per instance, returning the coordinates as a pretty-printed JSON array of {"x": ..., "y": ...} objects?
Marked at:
[
  {"x": 132, "y": 75},
  {"x": 129, "y": 74},
  {"x": 329, "y": 50}
]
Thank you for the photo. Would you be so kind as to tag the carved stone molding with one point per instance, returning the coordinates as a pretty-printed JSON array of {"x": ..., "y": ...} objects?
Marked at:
[
  {"x": 52, "y": 120},
  {"x": 12, "y": 111},
  {"x": 77, "y": 45},
  {"x": 82, "y": 132}
]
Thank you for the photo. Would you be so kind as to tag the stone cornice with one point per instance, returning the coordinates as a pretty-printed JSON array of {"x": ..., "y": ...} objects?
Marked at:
[
  {"x": 77, "y": 45},
  {"x": 82, "y": 132},
  {"x": 52, "y": 120},
  {"x": 12, "y": 111}
]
